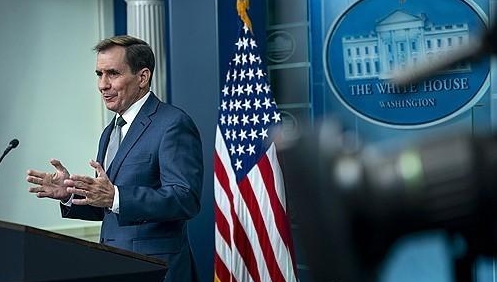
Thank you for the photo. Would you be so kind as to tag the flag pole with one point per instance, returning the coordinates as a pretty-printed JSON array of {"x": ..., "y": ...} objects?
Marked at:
[{"x": 241, "y": 7}]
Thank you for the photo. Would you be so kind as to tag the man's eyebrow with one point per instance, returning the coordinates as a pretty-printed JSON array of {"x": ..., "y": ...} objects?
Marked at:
[{"x": 108, "y": 71}]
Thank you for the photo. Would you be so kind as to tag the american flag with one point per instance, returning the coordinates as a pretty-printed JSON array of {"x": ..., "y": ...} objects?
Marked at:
[{"x": 252, "y": 231}]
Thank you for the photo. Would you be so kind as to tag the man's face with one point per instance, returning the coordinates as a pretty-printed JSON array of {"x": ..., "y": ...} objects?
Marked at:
[{"x": 120, "y": 88}]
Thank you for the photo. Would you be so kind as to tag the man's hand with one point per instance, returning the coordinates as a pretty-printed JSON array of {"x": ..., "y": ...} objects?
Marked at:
[
  {"x": 98, "y": 192},
  {"x": 50, "y": 185}
]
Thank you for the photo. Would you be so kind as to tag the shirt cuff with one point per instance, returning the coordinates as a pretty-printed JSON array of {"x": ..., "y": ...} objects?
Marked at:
[
  {"x": 115, "y": 203},
  {"x": 69, "y": 202}
]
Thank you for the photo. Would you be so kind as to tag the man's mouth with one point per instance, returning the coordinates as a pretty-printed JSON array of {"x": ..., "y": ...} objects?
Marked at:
[{"x": 108, "y": 97}]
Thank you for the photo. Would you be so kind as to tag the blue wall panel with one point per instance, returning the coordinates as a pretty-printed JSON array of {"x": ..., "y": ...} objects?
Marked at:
[{"x": 194, "y": 86}]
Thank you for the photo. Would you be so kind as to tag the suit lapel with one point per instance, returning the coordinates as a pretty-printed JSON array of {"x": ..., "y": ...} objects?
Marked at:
[
  {"x": 139, "y": 125},
  {"x": 104, "y": 141}
]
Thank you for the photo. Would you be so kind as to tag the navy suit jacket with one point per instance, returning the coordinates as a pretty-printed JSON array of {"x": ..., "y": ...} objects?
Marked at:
[{"x": 158, "y": 170}]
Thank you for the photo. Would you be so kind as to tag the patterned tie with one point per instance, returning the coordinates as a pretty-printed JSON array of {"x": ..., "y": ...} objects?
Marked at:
[{"x": 114, "y": 141}]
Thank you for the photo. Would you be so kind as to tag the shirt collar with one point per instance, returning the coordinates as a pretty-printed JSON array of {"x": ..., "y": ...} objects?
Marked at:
[{"x": 130, "y": 114}]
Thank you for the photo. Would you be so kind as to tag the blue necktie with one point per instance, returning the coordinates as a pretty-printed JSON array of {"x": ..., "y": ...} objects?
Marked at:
[{"x": 114, "y": 141}]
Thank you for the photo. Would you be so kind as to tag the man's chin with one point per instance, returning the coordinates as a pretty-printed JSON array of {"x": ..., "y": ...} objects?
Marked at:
[{"x": 110, "y": 106}]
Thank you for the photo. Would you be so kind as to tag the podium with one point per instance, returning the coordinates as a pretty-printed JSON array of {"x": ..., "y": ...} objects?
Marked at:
[{"x": 29, "y": 254}]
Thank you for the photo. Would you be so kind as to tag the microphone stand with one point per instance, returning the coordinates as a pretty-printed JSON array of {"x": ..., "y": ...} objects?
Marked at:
[{"x": 4, "y": 154}]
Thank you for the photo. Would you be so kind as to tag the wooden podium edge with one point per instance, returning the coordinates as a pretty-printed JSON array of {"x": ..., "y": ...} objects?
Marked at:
[{"x": 57, "y": 236}]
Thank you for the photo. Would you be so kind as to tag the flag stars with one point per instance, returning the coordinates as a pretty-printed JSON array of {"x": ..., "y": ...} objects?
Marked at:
[
  {"x": 246, "y": 105},
  {"x": 227, "y": 134},
  {"x": 240, "y": 149},
  {"x": 248, "y": 89},
  {"x": 239, "y": 89},
  {"x": 236, "y": 59},
  {"x": 255, "y": 119},
  {"x": 267, "y": 103},
  {"x": 245, "y": 119},
  {"x": 263, "y": 133},
  {"x": 257, "y": 104},
  {"x": 232, "y": 149},
  {"x": 235, "y": 120},
  {"x": 259, "y": 73},
  {"x": 242, "y": 135},
  {"x": 251, "y": 149},
  {"x": 238, "y": 105},
  {"x": 222, "y": 120},
  {"x": 226, "y": 90},
  {"x": 276, "y": 116},
  {"x": 250, "y": 74},
  {"x": 265, "y": 118},
  {"x": 267, "y": 88},
  {"x": 242, "y": 74},
  {"x": 258, "y": 88},
  {"x": 238, "y": 164},
  {"x": 224, "y": 106},
  {"x": 245, "y": 43},
  {"x": 252, "y": 58},
  {"x": 239, "y": 43},
  {"x": 253, "y": 44},
  {"x": 253, "y": 134},
  {"x": 247, "y": 109}
]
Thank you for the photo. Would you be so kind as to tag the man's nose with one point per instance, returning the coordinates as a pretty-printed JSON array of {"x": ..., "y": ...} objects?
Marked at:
[{"x": 103, "y": 82}]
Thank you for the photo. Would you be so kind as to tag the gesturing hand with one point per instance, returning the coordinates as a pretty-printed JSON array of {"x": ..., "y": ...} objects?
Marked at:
[
  {"x": 49, "y": 185},
  {"x": 98, "y": 192}
]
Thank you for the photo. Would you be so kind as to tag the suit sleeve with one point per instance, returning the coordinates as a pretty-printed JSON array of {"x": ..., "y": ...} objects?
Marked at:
[
  {"x": 82, "y": 212},
  {"x": 180, "y": 171}
]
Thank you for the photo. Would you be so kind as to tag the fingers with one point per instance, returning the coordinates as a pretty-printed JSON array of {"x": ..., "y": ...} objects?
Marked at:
[
  {"x": 43, "y": 195},
  {"x": 35, "y": 189},
  {"x": 77, "y": 191},
  {"x": 84, "y": 201},
  {"x": 80, "y": 185},
  {"x": 86, "y": 194},
  {"x": 81, "y": 179},
  {"x": 57, "y": 164},
  {"x": 36, "y": 177},
  {"x": 77, "y": 187},
  {"x": 98, "y": 168},
  {"x": 34, "y": 180},
  {"x": 40, "y": 192},
  {"x": 35, "y": 173},
  {"x": 80, "y": 192}
]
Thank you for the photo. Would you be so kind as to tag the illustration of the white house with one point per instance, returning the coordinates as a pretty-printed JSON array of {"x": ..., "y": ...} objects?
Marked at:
[{"x": 398, "y": 41}]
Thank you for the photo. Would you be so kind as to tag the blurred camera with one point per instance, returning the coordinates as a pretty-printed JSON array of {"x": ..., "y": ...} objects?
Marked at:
[{"x": 351, "y": 203}]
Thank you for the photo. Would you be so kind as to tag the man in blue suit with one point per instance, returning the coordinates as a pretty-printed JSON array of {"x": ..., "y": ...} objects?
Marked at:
[{"x": 153, "y": 185}]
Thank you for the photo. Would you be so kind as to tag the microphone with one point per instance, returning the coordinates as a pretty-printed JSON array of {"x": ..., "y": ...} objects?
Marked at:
[
  {"x": 13, "y": 144},
  {"x": 472, "y": 51}
]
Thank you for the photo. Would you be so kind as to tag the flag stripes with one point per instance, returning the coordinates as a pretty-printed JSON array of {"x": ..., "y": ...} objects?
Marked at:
[{"x": 249, "y": 208}]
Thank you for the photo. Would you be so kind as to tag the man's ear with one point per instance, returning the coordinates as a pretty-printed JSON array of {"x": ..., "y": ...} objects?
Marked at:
[{"x": 144, "y": 75}]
